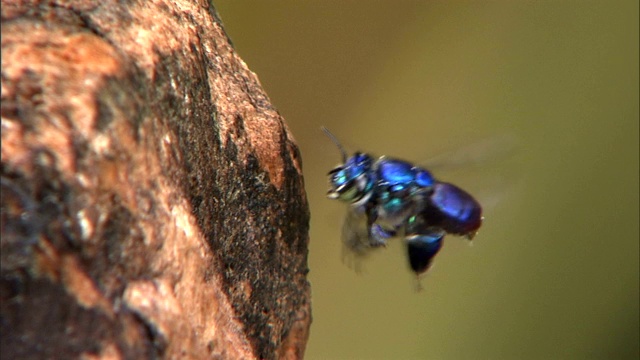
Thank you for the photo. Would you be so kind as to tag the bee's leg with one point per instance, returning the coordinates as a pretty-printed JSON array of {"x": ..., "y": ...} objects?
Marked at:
[
  {"x": 378, "y": 235},
  {"x": 423, "y": 243}
]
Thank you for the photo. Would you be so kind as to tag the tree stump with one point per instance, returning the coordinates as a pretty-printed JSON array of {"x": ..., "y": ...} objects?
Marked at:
[{"x": 153, "y": 204}]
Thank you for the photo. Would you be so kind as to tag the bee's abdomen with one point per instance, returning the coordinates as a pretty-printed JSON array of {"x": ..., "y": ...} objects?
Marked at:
[{"x": 453, "y": 209}]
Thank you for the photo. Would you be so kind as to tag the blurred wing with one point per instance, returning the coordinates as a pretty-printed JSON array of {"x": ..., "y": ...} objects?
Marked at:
[
  {"x": 487, "y": 169},
  {"x": 355, "y": 235},
  {"x": 477, "y": 154},
  {"x": 355, "y": 238}
]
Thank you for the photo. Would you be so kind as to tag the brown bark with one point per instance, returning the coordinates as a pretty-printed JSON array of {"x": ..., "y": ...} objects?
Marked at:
[{"x": 152, "y": 197}]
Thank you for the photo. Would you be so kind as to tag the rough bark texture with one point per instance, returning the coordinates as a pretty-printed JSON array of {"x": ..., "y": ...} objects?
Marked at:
[{"x": 152, "y": 197}]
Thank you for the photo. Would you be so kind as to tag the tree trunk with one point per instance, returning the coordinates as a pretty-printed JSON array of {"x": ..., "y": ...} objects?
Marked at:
[{"x": 152, "y": 197}]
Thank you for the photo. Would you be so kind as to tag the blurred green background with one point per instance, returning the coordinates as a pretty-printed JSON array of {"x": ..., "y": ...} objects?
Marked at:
[{"x": 554, "y": 272}]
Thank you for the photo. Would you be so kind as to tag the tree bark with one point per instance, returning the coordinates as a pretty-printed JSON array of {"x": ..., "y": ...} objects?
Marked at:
[{"x": 152, "y": 197}]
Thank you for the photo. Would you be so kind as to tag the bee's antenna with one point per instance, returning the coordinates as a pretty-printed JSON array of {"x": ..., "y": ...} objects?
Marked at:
[{"x": 335, "y": 141}]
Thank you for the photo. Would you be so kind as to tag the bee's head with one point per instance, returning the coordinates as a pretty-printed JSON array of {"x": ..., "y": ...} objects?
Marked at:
[{"x": 352, "y": 180}]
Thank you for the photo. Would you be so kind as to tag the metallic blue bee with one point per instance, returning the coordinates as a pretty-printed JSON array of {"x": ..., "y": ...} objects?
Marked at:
[{"x": 390, "y": 197}]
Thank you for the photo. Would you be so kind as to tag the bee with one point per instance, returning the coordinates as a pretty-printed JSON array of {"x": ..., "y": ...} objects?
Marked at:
[{"x": 389, "y": 197}]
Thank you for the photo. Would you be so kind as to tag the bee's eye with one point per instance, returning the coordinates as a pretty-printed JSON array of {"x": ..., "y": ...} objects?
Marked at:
[
  {"x": 351, "y": 181},
  {"x": 339, "y": 178}
]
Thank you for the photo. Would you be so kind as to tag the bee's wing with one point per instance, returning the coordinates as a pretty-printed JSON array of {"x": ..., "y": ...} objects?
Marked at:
[
  {"x": 480, "y": 153},
  {"x": 355, "y": 238},
  {"x": 488, "y": 168},
  {"x": 355, "y": 232}
]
